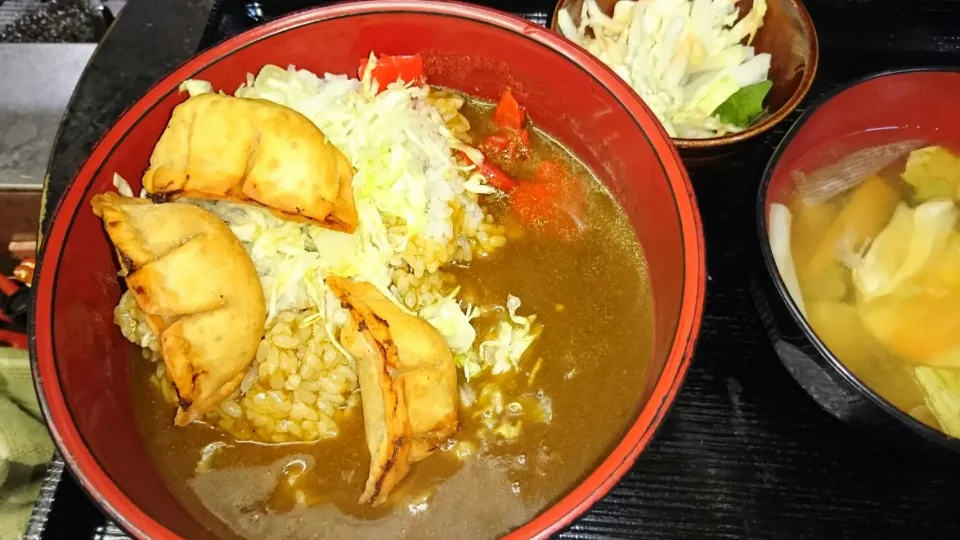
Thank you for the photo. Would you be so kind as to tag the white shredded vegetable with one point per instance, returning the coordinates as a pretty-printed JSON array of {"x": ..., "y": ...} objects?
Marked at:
[
  {"x": 683, "y": 57},
  {"x": 195, "y": 87},
  {"x": 780, "y": 223},
  {"x": 400, "y": 146},
  {"x": 502, "y": 353},
  {"x": 123, "y": 187},
  {"x": 447, "y": 317},
  {"x": 402, "y": 152}
]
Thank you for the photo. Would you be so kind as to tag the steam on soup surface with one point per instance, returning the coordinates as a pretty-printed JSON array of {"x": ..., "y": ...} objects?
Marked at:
[
  {"x": 520, "y": 277},
  {"x": 877, "y": 267}
]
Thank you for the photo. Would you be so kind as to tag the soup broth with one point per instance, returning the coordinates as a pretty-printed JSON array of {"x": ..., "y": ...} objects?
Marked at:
[
  {"x": 591, "y": 296},
  {"x": 876, "y": 266}
]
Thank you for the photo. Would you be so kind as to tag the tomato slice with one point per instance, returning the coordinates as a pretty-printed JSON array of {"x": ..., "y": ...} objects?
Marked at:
[
  {"x": 540, "y": 206},
  {"x": 495, "y": 177},
  {"x": 406, "y": 69},
  {"x": 553, "y": 201},
  {"x": 497, "y": 142},
  {"x": 505, "y": 144},
  {"x": 509, "y": 114},
  {"x": 525, "y": 138}
]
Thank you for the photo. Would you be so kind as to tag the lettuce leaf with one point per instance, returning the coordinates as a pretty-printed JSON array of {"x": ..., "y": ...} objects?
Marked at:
[{"x": 745, "y": 105}]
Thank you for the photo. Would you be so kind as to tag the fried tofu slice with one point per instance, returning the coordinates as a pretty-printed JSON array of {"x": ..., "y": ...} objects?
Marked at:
[
  {"x": 257, "y": 152},
  {"x": 199, "y": 291},
  {"x": 408, "y": 384}
]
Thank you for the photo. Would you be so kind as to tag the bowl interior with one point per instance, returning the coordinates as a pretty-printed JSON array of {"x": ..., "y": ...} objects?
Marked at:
[
  {"x": 879, "y": 110},
  {"x": 787, "y": 34},
  {"x": 882, "y": 109},
  {"x": 82, "y": 360}
]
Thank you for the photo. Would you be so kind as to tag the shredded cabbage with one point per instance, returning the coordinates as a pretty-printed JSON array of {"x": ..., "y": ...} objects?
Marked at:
[
  {"x": 505, "y": 421},
  {"x": 911, "y": 240},
  {"x": 781, "y": 220},
  {"x": 683, "y": 57},
  {"x": 406, "y": 186},
  {"x": 123, "y": 187},
  {"x": 207, "y": 455},
  {"x": 399, "y": 145},
  {"x": 469, "y": 362},
  {"x": 502, "y": 353},
  {"x": 403, "y": 153},
  {"x": 195, "y": 87},
  {"x": 446, "y": 316},
  {"x": 942, "y": 393}
]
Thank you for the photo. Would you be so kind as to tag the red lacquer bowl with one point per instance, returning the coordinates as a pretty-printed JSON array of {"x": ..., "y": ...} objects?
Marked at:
[{"x": 82, "y": 362}]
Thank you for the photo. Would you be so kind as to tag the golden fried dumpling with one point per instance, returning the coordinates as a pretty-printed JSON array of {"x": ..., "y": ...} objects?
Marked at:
[
  {"x": 197, "y": 288},
  {"x": 408, "y": 383},
  {"x": 257, "y": 152}
]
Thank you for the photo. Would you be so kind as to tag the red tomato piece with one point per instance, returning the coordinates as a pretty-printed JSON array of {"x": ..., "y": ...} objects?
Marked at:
[
  {"x": 507, "y": 144},
  {"x": 540, "y": 206},
  {"x": 495, "y": 177},
  {"x": 508, "y": 114},
  {"x": 496, "y": 142},
  {"x": 525, "y": 138},
  {"x": 406, "y": 69},
  {"x": 554, "y": 201}
]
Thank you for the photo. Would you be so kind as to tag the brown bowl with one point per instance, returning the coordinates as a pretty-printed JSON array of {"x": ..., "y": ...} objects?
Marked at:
[{"x": 787, "y": 34}]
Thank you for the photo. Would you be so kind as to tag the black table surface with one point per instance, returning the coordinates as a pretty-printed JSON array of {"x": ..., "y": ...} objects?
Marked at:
[{"x": 744, "y": 453}]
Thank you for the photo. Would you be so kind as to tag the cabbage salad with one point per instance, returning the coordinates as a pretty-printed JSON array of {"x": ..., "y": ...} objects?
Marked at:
[{"x": 689, "y": 60}]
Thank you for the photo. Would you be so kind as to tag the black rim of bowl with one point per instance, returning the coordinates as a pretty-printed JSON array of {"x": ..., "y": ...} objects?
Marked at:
[{"x": 774, "y": 273}]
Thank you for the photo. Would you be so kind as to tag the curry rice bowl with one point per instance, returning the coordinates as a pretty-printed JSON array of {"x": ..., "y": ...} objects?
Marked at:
[{"x": 302, "y": 382}]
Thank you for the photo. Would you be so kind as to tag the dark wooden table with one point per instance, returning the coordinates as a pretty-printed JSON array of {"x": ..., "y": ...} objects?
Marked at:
[{"x": 744, "y": 453}]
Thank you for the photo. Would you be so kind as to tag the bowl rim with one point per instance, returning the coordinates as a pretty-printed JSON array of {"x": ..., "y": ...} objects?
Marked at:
[
  {"x": 773, "y": 272},
  {"x": 764, "y": 125},
  {"x": 605, "y": 474}
]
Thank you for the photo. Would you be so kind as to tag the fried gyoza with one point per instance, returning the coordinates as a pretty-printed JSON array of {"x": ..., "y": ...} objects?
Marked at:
[
  {"x": 253, "y": 151},
  {"x": 197, "y": 288},
  {"x": 408, "y": 384}
]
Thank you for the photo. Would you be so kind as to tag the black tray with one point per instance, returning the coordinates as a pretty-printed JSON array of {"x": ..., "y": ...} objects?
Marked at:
[{"x": 744, "y": 453}]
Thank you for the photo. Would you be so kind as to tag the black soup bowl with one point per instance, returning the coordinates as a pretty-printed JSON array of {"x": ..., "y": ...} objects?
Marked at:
[{"x": 877, "y": 110}]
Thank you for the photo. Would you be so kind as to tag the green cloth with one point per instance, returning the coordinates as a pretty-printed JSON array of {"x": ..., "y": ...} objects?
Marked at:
[{"x": 25, "y": 445}]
